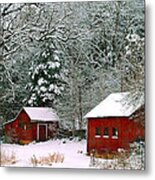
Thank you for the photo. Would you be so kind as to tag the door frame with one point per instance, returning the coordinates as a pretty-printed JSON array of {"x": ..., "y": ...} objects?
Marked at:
[{"x": 38, "y": 130}]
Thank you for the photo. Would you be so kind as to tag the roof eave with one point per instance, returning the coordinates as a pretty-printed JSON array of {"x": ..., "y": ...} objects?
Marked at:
[
  {"x": 114, "y": 116},
  {"x": 39, "y": 120},
  {"x": 10, "y": 121}
]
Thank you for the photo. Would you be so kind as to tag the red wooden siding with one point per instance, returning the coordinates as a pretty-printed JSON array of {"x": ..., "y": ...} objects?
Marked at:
[
  {"x": 128, "y": 131},
  {"x": 22, "y": 130},
  {"x": 11, "y": 130}
]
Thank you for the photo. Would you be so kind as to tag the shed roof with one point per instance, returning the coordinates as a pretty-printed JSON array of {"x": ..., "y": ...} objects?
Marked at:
[
  {"x": 41, "y": 114},
  {"x": 116, "y": 105}
]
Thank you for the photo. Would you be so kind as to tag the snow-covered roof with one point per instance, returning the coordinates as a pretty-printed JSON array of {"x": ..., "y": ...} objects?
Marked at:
[
  {"x": 38, "y": 114},
  {"x": 116, "y": 105},
  {"x": 41, "y": 114}
]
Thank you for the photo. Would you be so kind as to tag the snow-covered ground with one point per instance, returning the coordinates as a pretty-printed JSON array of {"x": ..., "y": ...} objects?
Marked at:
[
  {"x": 74, "y": 153},
  {"x": 66, "y": 154}
]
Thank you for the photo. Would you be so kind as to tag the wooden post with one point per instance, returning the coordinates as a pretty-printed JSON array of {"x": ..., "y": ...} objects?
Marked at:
[{"x": 37, "y": 131}]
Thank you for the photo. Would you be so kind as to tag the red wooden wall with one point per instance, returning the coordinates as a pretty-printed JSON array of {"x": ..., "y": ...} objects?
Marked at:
[
  {"x": 128, "y": 131},
  {"x": 21, "y": 133}
]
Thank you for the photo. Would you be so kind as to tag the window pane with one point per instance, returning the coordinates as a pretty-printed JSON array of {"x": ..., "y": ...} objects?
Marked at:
[
  {"x": 98, "y": 132},
  {"x": 106, "y": 132},
  {"x": 20, "y": 124},
  {"x": 114, "y": 132},
  {"x": 25, "y": 127}
]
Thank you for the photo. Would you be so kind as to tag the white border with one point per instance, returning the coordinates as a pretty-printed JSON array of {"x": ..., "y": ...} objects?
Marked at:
[
  {"x": 32, "y": 1},
  {"x": 40, "y": 174}
]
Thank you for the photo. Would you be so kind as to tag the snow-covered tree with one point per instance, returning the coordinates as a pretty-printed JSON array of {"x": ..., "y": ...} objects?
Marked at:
[
  {"x": 133, "y": 66},
  {"x": 23, "y": 30},
  {"x": 46, "y": 77},
  {"x": 99, "y": 56}
]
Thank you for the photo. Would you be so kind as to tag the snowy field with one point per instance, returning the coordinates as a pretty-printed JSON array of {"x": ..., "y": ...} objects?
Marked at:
[
  {"x": 65, "y": 154},
  {"x": 72, "y": 152}
]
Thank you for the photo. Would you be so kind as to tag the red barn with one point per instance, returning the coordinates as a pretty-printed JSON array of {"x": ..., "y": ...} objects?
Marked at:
[
  {"x": 115, "y": 123},
  {"x": 32, "y": 124}
]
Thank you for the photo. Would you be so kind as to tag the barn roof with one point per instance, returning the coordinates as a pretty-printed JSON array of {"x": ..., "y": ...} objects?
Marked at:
[
  {"x": 41, "y": 114},
  {"x": 116, "y": 105}
]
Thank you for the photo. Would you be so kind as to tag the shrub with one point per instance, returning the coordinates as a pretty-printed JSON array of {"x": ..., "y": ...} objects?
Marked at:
[
  {"x": 7, "y": 158},
  {"x": 133, "y": 159},
  {"x": 47, "y": 160}
]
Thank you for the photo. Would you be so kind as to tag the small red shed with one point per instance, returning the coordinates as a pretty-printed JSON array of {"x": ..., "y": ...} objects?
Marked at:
[
  {"x": 115, "y": 123},
  {"x": 32, "y": 124}
]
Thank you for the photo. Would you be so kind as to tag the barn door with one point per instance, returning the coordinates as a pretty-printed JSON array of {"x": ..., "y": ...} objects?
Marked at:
[{"x": 42, "y": 132}]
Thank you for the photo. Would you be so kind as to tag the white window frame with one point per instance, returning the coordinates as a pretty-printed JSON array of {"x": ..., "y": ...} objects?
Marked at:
[
  {"x": 116, "y": 136},
  {"x": 25, "y": 127},
  {"x": 105, "y": 136},
  {"x": 98, "y": 136}
]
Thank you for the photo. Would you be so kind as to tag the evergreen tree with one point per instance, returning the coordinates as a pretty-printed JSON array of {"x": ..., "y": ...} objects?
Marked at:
[{"x": 46, "y": 77}]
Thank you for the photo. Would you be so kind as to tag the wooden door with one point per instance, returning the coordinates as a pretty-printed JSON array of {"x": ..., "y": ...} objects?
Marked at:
[{"x": 42, "y": 132}]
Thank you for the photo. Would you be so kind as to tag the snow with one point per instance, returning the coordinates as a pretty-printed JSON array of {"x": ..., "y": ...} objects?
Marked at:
[
  {"x": 51, "y": 87},
  {"x": 43, "y": 89},
  {"x": 56, "y": 57},
  {"x": 41, "y": 66},
  {"x": 53, "y": 65},
  {"x": 44, "y": 54},
  {"x": 115, "y": 105},
  {"x": 56, "y": 75},
  {"x": 30, "y": 101},
  {"x": 55, "y": 88},
  {"x": 41, "y": 81},
  {"x": 57, "y": 64},
  {"x": 41, "y": 114},
  {"x": 133, "y": 37},
  {"x": 74, "y": 153}
]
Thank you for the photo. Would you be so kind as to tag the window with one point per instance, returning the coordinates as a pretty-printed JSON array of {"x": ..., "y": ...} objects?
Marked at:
[
  {"x": 114, "y": 133},
  {"x": 98, "y": 132},
  {"x": 106, "y": 132},
  {"x": 25, "y": 127},
  {"x": 20, "y": 124}
]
